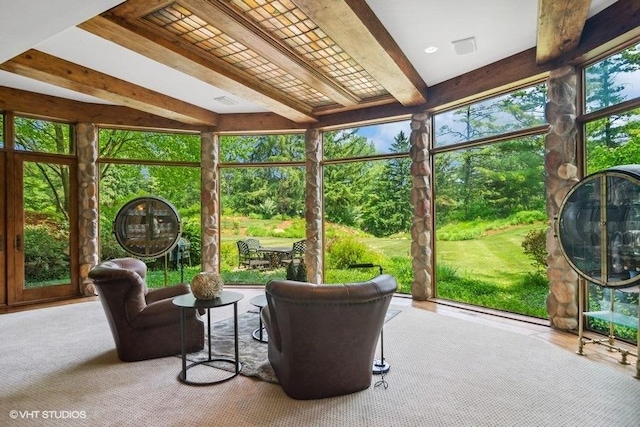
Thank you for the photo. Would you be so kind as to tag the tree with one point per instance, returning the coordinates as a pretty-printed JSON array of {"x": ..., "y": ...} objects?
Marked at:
[
  {"x": 345, "y": 183},
  {"x": 387, "y": 203},
  {"x": 46, "y": 181}
]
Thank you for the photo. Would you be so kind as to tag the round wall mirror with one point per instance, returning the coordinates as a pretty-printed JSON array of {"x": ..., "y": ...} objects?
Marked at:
[
  {"x": 147, "y": 227},
  {"x": 599, "y": 227}
]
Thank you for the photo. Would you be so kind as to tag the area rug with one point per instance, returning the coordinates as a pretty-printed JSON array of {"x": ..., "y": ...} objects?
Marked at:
[{"x": 252, "y": 353}]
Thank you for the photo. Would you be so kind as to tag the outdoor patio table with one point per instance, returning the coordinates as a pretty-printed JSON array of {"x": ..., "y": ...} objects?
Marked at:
[{"x": 275, "y": 255}]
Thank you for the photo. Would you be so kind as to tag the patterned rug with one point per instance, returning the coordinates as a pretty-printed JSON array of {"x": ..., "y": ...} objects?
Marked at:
[{"x": 252, "y": 353}]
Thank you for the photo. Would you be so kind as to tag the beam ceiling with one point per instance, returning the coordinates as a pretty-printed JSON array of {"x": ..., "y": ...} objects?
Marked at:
[{"x": 560, "y": 25}]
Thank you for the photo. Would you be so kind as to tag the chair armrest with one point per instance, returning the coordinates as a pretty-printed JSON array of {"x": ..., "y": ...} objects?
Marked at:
[
  {"x": 169, "y": 292},
  {"x": 159, "y": 313}
]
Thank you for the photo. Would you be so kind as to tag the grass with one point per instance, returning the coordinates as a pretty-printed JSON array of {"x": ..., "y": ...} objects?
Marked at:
[{"x": 490, "y": 269}]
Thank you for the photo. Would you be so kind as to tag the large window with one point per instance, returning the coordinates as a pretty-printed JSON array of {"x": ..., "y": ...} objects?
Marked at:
[
  {"x": 367, "y": 203},
  {"x": 138, "y": 164},
  {"x": 262, "y": 187},
  {"x": 612, "y": 136},
  {"x": 490, "y": 212}
]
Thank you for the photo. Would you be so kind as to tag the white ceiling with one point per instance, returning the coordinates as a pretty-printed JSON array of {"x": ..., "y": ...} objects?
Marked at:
[{"x": 501, "y": 28}]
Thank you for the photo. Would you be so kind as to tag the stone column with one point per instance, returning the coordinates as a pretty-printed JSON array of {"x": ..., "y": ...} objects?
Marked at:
[
  {"x": 421, "y": 229},
  {"x": 87, "y": 147},
  {"x": 313, "y": 206},
  {"x": 210, "y": 204},
  {"x": 561, "y": 175}
]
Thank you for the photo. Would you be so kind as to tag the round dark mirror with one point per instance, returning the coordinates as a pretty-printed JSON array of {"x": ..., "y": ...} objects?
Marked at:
[
  {"x": 147, "y": 227},
  {"x": 599, "y": 227}
]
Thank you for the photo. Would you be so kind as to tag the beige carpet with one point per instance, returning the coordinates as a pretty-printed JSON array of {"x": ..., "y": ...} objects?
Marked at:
[{"x": 444, "y": 371}]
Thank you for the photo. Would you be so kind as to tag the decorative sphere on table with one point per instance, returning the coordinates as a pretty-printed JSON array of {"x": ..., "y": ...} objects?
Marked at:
[{"x": 206, "y": 285}]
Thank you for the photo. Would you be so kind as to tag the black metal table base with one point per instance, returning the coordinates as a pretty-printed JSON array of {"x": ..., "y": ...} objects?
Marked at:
[{"x": 182, "y": 376}]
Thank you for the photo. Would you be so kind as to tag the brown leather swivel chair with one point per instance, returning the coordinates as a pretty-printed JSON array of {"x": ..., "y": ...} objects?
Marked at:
[
  {"x": 145, "y": 323},
  {"x": 322, "y": 338}
]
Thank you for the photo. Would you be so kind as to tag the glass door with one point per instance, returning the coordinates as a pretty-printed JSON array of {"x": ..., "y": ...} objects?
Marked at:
[
  {"x": 3, "y": 211},
  {"x": 43, "y": 246}
]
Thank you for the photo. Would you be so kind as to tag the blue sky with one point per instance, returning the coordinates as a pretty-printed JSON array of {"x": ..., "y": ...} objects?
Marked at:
[{"x": 383, "y": 135}]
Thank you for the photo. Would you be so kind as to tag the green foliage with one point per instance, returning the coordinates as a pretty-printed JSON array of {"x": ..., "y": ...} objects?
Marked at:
[
  {"x": 387, "y": 202},
  {"x": 531, "y": 292},
  {"x": 291, "y": 271},
  {"x": 301, "y": 272},
  {"x": 343, "y": 252},
  {"x": 535, "y": 246},
  {"x": 191, "y": 230},
  {"x": 228, "y": 256},
  {"x": 46, "y": 253}
]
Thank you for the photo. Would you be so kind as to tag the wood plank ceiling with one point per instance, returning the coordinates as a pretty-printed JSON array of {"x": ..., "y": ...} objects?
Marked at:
[{"x": 300, "y": 59}]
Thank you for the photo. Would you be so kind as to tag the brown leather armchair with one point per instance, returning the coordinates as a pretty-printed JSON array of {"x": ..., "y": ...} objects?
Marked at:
[
  {"x": 145, "y": 323},
  {"x": 322, "y": 338}
]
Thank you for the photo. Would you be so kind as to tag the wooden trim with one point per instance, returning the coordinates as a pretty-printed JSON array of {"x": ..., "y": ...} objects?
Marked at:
[
  {"x": 210, "y": 70},
  {"x": 341, "y": 20},
  {"x": 49, "y": 69},
  {"x": 54, "y": 108},
  {"x": 226, "y": 20},
  {"x": 137, "y": 8},
  {"x": 560, "y": 24}
]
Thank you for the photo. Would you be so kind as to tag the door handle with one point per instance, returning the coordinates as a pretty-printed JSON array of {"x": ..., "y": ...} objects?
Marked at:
[{"x": 19, "y": 242}]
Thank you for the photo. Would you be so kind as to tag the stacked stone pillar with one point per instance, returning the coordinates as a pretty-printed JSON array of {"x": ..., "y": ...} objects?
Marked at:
[
  {"x": 421, "y": 228},
  {"x": 313, "y": 206},
  {"x": 561, "y": 175},
  {"x": 210, "y": 202},
  {"x": 87, "y": 148}
]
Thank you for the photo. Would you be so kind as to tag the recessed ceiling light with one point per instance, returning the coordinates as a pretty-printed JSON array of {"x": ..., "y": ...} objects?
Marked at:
[{"x": 431, "y": 49}]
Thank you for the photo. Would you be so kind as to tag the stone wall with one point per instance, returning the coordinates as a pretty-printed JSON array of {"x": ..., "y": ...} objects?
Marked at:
[
  {"x": 561, "y": 175},
  {"x": 421, "y": 252},
  {"x": 313, "y": 206},
  {"x": 209, "y": 202},
  {"x": 87, "y": 147}
]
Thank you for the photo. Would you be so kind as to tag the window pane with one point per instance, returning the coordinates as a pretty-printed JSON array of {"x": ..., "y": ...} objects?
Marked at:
[
  {"x": 127, "y": 144},
  {"x": 368, "y": 216},
  {"x": 178, "y": 185},
  {"x": 265, "y": 204},
  {"x": 42, "y": 136},
  {"x": 46, "y": 224},
  {"x": 489, "y": 201},
  {"x": 613, "y": 80},
  {"x": 366, "y": 140},
  {"x": 514, "y": 111},
  {"x": 262, "y": 148},
  {"x": 613, "y": 141}
]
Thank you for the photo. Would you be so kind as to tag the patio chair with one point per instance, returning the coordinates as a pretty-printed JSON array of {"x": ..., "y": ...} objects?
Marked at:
[
  {"x": 296, "y": 256},
  {"x": 248, "y": 255}
]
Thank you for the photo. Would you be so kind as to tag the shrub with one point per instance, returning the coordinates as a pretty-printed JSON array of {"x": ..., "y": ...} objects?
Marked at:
[
  {"x": 345, "y": 251},
  {"x": 535, "y": 245},
  {"x": 47, "y": 256}
]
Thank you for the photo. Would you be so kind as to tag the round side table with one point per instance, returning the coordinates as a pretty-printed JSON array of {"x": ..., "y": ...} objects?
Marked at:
[
  {"x": 188, "y": 301},
  {"x": 260, "y": 334}
]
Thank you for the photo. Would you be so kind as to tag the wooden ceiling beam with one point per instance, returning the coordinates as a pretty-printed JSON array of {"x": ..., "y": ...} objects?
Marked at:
[
  {"x": 356, "y": 29},
  {"x": 560, "y": 25},
  {"x": 227, "y": 21},
  {"x": 132, "y": 9},
  {"x": 49, "y": 69},
  {"x": 54, "y": 108},
  {"x": 209, "y": 70}
]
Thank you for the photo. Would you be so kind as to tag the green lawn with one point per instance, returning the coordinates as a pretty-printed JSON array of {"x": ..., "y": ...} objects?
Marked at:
[{"x": 491, "y": 270}]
